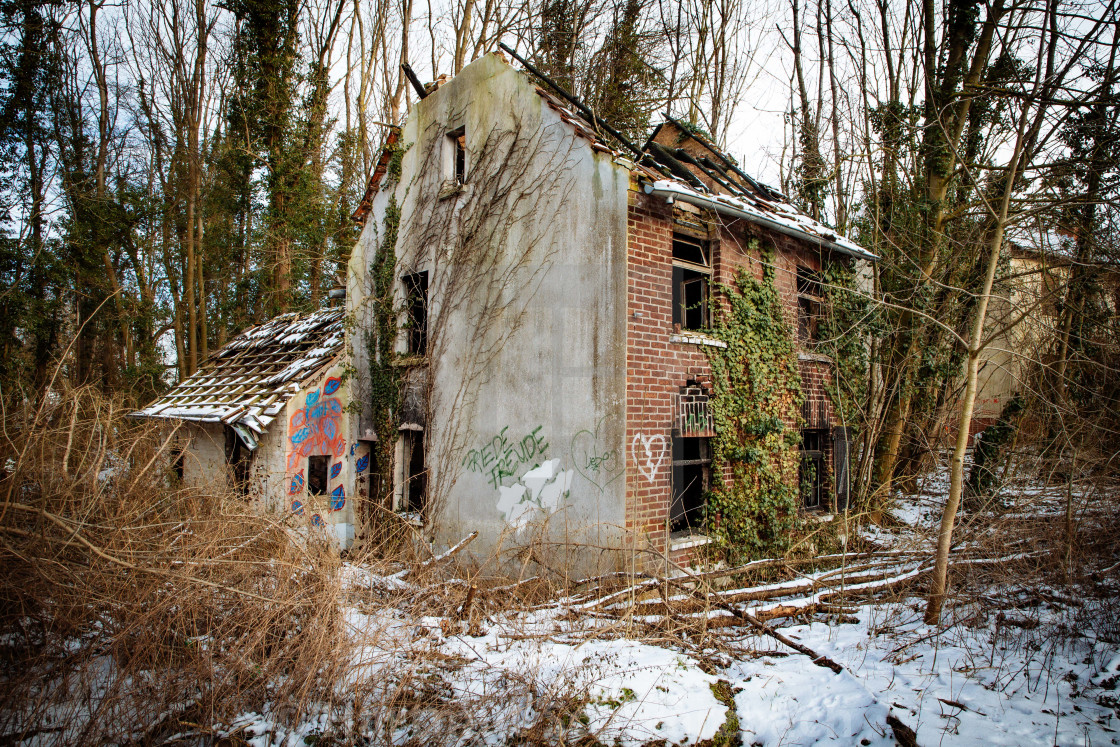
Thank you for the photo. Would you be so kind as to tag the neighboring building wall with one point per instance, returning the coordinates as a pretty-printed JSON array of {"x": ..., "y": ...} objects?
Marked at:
[
  {"x": 203, "y": 455},
  {"x": 315, "y": 422}
]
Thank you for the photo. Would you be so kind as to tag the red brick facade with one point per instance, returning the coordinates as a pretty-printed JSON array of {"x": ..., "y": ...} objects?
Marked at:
[{"x": 657, "y": 367}]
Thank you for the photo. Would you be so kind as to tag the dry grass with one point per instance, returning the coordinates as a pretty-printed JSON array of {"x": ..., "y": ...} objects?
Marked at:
[
  {"x": 129, "y": 606},
  {"x": 135, "y": 610}
]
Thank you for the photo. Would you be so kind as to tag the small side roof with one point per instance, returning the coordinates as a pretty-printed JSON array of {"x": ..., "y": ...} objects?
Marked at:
[{"x": 248, "y": 381}]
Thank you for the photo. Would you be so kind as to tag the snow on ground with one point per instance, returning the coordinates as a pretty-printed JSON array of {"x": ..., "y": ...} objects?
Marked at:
[
  {"x": 1015, "y": 666},
  {"x": 962, "y": 693},
  {"x": 988, "y": 685}
]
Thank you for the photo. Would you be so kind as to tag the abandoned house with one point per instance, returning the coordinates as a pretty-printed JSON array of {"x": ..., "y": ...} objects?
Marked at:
[
  {"x": 529, "y": 307},
  {"x": 551, "y": 293}
]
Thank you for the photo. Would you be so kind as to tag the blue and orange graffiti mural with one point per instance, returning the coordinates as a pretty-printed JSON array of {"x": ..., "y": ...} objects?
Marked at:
[
  {"x": 315, "y": 429},
  {"x": 296, "y": 485}
]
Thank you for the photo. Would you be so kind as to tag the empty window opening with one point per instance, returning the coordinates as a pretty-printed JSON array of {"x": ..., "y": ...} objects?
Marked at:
[
  {"x": 178, "y": 462},
  {"x": 809, "y": 305},
  {"x": 812, "y": 473},
  {"x": 317, "y": 467},
  {"x": 416, "y": 299},
  {"x": 457, "y": 140},
  {"x": 416, "y": 487},
  {"x": 692, "y": 274},
  {"x": 692, "y": 465},
  {"x": 238, "y": 458}
]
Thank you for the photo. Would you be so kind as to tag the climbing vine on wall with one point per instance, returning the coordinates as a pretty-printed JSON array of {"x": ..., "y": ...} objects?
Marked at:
[
  {"x": 844, "y": 328},
  {"x": 756, "y": 400},
  {"x": 386, "y": 389}
]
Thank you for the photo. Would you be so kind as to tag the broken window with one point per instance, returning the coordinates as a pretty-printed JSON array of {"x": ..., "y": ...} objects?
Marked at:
[
  {"x": 416, "y": 300},
  {"x": 809, "y": 304},
  {"x": 457, "y": 142},
  {"x": 178, "y": 461},
  {"x": 692, "y": 465},
  {"x": 416, "y": 486},
  {"x": 812, "y": 475},
  {"x": 317, "y": 467},
  {"x": 692, "y": 274},
  {"x": 238, "y": 458}
]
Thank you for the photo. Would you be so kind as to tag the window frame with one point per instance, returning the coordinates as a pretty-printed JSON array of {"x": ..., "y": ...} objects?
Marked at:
[
  {"x": 679, "y": 513},
  {"x": 810, "y": 306},
  {"x": 687, "y": 271},
  {"x": 415, "y": 287},
  {"x": 818, "y": 500},
  {"x": 457, "y": 160}
]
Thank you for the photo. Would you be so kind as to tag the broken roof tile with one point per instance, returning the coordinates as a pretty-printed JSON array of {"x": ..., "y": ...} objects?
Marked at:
[{"x": 249, "y": 380}]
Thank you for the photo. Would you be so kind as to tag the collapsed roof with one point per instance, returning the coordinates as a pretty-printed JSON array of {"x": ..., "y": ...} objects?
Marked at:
[
  {"x": 697, "y": 172},
  {"x": 676, "y": 163},
  {"x": 248, "y": 381}
]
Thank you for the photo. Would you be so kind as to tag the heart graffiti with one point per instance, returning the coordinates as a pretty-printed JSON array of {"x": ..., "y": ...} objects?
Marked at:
[
  {"x": 649, "y": 452},
  {"x": 599, "y": 464}
]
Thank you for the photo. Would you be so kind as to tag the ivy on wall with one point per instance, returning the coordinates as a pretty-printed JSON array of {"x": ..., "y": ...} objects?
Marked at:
[
  {"x": 756, "y": 400},
  {"x": 844, "y": 328},
  {"x": 386, "y": 381}
]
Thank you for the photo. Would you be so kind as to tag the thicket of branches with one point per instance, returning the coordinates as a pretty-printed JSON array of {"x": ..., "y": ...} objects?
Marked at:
[{"x": 172, "y": 172}]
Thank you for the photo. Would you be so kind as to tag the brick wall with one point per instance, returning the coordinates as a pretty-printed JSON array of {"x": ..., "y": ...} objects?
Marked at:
[{"x": 657, "y": 368}]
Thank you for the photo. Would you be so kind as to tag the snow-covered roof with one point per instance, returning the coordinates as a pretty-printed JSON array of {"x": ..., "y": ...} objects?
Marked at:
[
  {"x": 694, "y": 170},
  {"x": 248, "y": 381}
]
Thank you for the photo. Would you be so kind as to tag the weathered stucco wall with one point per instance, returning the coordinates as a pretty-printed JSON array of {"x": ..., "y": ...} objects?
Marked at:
[{"x": 526, "y": 350}]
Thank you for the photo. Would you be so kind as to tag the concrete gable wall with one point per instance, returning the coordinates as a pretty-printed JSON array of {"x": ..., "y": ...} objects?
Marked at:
[{"x": 526, "y": 360}]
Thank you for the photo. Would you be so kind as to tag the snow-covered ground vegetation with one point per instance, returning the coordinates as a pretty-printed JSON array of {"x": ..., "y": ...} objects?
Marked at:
[{"x": 135, "y": 613}]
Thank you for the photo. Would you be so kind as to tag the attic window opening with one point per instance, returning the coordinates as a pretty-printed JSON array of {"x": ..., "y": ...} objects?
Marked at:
[
  {"x": 416, "y": 298},
  {"x": 692, "y": 275},
  {"x": 809, "y": 306},
  {"x": 458, "y": 146}
]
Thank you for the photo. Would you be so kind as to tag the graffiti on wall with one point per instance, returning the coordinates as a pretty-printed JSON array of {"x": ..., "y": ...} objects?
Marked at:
[
  {"x": 649, "y": 453},
  {"x": 315, "y": 429},
  {"x": 597, "y": 462},
  {"x": 503, "y": 455},
  {"x": 540, "y": 489}
]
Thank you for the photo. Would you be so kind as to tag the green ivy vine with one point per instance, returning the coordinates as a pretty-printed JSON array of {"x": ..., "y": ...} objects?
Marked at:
[
  {"x": 756, "y": 400},
  {"x": 386, "y": 390},
  {"x": 844, "y": 328}
]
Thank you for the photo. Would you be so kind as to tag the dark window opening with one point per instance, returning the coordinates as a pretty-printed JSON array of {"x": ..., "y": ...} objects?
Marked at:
[
  {"x": 692, "y": 464},
  {"x": 692, "y": 274},
  {"x": 416, "y": 487},
  {"x": 238, "y": 458},
  {"x": 416, "y": 297},
  {"x": 178, "y": 462},
  {"x": 317, "y": 467},
  {"x": 693, "y": 251},
  {"x": 809, "y": 305},
  {"x": 812, "y": 472},
  {"x": 458, "y": 144}
]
